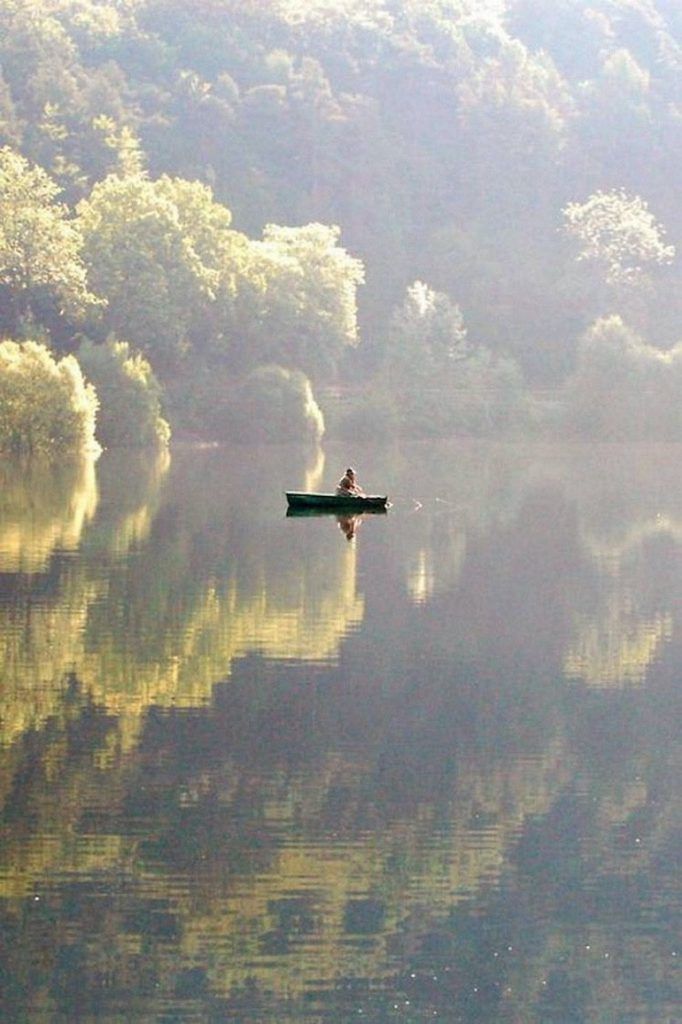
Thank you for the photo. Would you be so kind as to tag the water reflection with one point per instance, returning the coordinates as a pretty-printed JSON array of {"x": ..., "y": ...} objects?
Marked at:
[
  {"x": 252, "y": 772},
  {"x": 44, "y": 507},
  {"x": 162, "y": 626},
  {"x": 131, "y": 489},
  {"x": 349, "y": 525}
]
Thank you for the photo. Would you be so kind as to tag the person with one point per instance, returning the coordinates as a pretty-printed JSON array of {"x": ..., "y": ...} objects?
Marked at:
[{"x": 348, "y": 485}]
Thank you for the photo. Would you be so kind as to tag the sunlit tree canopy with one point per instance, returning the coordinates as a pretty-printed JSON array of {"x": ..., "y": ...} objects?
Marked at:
[{"x": 619, "y": 232}]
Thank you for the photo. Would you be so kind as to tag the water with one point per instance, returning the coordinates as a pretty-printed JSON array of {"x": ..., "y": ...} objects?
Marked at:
[{"x": 253, "y": 770}]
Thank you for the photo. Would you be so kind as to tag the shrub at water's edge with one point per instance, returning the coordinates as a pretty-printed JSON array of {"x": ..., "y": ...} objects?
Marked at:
[
  {"x": 270, "y": 404},
  {"x": 623, "y": 388},
  {"x": 46, "y": 406},
  {"x": 129, "y": 395}
]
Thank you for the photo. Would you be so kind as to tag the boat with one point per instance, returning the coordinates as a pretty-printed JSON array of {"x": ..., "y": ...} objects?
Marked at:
[{"x": 307, "y": 500}]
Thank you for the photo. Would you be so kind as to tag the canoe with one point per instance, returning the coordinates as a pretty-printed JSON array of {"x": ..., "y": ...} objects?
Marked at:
[{"x": 336, "y": 502}]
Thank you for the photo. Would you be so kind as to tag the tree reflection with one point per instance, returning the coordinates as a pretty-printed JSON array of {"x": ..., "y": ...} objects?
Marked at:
[
  {"x": 248, "y": 774},
  {"x": 165, "y": 623},
  {"x": 44, "y": 507}
]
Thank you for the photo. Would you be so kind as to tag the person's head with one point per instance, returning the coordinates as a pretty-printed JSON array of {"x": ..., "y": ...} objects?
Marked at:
[{"x": 350, "y": 472}]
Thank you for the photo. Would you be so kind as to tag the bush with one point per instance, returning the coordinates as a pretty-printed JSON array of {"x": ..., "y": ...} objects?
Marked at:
[
  {"x": 45, "y": 404},
  {"x": 370, "y": 414},
  {"x": 482, "y": 396},
  {"x": 129, "y": 395},
  {"x": 196, "y": 397},
  {"x": 624, "y": 389},
  {"x": 273, "y": 404}
]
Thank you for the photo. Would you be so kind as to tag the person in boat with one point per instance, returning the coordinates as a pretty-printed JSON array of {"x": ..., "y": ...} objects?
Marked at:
[{"x": 348, "y": 485}]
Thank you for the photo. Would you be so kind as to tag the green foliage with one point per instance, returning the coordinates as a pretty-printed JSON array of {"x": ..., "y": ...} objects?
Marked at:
[
  {"x": 129, "y": 395},
  {"x": 272, "y": 404},
  {"x": 142, "y": 260},
  {"x": 268, "y": 404},
  {"x": 194, "y": 397},
  {"x": 427, "y": 336},
  {"x": 40, "y": 248},
  {"x": 482, "y": 397},
  {"x": 624, "y": 389},
  {"x": 489, "y": 393},
  {"x": 298, "y": 304},
  {"x": 10, "y": 128},
  {"x": 619, "y": 233},
  {"x": 367, "y": 414},
  {"x": 443, "y": 137},
  {"x": 440, "y": 383},
  {"x": 515, "y": 110},
  {"x": 176, "y": 277},
  {"x": 118, "y": 145},
  {"x": 46, "y": 407}
]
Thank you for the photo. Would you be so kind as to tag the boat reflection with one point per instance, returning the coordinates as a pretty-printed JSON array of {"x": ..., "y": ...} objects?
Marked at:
[
  {"x": 300, "y": 513},
  {"x": 349, "y": 523}
]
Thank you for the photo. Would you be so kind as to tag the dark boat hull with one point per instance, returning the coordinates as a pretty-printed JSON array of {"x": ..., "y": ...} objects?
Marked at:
[{"x": 302, "y": 500}]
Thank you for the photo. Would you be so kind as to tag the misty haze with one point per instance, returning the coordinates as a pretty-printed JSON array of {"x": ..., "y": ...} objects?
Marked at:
[{"x": 341, "y": 511}]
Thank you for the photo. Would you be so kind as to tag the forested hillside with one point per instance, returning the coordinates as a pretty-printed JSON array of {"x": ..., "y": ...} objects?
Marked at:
[{"x": 210, "y": 181}]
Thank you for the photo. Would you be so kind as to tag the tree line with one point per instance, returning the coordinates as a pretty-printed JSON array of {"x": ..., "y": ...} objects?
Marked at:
[{"x": 221, "y": 209}]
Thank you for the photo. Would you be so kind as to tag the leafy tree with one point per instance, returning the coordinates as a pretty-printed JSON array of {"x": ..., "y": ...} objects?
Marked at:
[
  {"x": 293, "y": 113},
  {"x": 91, "y": 25},
  {"x": 619, "y": 128},
  {"x": 574, "y": 33},
  {"x": 40, "y": 247},
  {"x": 488, "y": 393},
  {"x": 142, "y": 261},
  {"x": 301, "y": 307},
  {"x": 38, "y": 57},
  {"x": 427, "y": 336},
  {"x": 623, "y": 388},
  {"x": 10, "y": 128},
  {"x": 270, "y": 404},
  {"x": 46, "y": 407},
  {"x": 618, "y": 233},
  {"x": 206, "y": 224},
  {"x": 119, "y": 147},
  {"x": 40, "y": 64},
  {"x": 514, "y": 109},
  {"x": 129, "y": 395},
  {"x": 482, "y": 396},
  {"x": 440, "y": 382}
]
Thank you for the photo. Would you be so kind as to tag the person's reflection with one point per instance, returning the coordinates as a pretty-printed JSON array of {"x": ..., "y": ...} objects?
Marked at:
[{"x": 349, "y": 525}]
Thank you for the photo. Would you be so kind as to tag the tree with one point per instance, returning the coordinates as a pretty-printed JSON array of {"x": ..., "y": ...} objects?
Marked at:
[
  {"x": 10, "y": 128},
  {"x": 46, "y": 407},
  {"x": 114, "y": 147},
  {"x": 40, "y": 247},
  {"x": 270, "y": 404},
  {"x": 297, "y": 306},
  {"x": 574, "y": 34},
  {"x": 206, "y": 224},
  {"x": 623, "y": 122},
  {"x": 623, "y": 388},
  {"x": 427, "y": 336},
  {"x": 514, "y": 110},
  {"x": 443, "y": 384},
  {"x": 619, "y": 234},
  {"x": 141, "y": 258},
  {"x": 129, "y": 395}
]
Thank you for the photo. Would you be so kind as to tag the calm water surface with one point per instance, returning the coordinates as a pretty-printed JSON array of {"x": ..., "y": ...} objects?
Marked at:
[{"x": 422, "y": 766}]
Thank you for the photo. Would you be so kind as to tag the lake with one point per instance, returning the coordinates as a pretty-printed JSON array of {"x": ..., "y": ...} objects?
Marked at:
[{"x": 411, "y": 767}]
